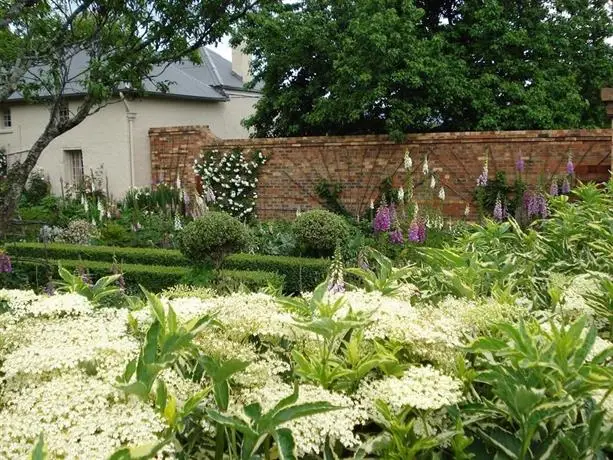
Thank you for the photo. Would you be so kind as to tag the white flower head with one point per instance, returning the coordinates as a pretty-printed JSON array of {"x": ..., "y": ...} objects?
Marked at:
[
  {"x": 416, "y": 209},
  {"x": 432, "y": 182},
  {"x": 425, "y": 168},
  {"x": 408, "y": 162},
  {"x": 467, "y": 210},
  {"x": 400, "y": 194},
  {"x": 372, "y": 205},
  {"x": 441, "y": 193}
]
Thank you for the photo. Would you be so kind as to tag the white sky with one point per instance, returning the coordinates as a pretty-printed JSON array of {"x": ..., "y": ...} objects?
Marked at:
[{"x": 224, "y": 48}]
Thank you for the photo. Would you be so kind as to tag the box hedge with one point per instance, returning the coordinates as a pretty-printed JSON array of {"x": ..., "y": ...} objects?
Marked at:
[
  {"x": 152, "y": 277},
  {"x": 301, "y": 274},
  {"x": 62, "y": 251}
]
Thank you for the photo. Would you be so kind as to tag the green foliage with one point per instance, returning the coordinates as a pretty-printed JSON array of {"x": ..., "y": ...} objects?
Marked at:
[
  {"x": 330, "y": 194},
  {"x": 538, "y": 399},
  {"x": 39, "y": 452},
  {"x": 142, "y": 256},
  {"x": 114, "y": 234},
  {"x": 273, "y": 238},
  {"x": 212, "y": 237},
  {"x": 494, "y": 257},
  {"x": 386, "y": 279},
  {"x": 300, "y": 274},
  {"x": 395, "y": 67},
  {"x": 95, "y": 293},
  {"x": 37, "y": 188},
  {"x": 318, "y": 232},
  {"x": 258, "y": 427}
]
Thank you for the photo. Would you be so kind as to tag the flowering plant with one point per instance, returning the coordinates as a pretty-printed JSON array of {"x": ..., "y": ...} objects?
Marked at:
[{"x": 229, "y": 180}]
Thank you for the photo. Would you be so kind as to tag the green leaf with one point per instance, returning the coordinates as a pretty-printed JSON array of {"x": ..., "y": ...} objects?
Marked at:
[
  {"x": 150, "y": 347},
  {"x": 302, "y": 410},
  {"x": 193, "y": 401},
  {"x": 161, "y": 396},
  {"x": 285, "y": 444},
  {"x": 40, "y": 451},
  {"x": 157, "y": 308},
  {"x": 501, "y": 440},
  {"x": 170, "y": 411},
  {"x": 231, "y": 422},
  {"x": 136, "y": 388}
]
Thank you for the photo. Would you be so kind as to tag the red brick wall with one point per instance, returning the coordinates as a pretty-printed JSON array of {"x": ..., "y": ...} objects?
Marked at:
[{"x": 360, "y": 163}]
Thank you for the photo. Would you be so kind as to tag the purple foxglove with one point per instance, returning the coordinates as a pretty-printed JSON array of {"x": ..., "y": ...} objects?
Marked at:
[
  {"x": 520, "y": 164},
  {"x": 570, "y": 167},
  {"x": 396, "y": 237},
  {"x": 553, "y": 190},
  {"x": 382, "y": 221},
  {"x": 498, "y": 210},
  {"x": 565, "y": 186},
  {"x": 5, "y": 263}
]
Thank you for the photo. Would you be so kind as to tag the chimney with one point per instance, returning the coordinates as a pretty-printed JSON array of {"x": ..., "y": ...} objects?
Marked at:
[{"x": 240, "y": 63}]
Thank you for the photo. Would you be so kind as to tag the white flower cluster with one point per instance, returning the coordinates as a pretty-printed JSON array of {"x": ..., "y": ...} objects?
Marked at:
[
  {"x": 232, "y": 179},
  {"x": 423, "y": 388},
  {"x": 309, "y": 432},
  {"x": 59, "y": 361},
  {"x": 80, "y": 416},
  {"x": 574, "y": 303}
]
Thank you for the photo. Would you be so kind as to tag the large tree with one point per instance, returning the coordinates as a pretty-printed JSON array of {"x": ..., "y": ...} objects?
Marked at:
[
  {"x": 396, "y": 66},
  {"x": 120, "y": 40}
]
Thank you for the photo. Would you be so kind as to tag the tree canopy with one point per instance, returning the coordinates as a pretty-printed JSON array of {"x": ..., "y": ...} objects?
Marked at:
[{"x": 397, "y": 66}]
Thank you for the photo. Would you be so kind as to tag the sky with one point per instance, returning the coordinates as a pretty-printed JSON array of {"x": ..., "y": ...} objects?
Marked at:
[{"x": 224, "y": 48}]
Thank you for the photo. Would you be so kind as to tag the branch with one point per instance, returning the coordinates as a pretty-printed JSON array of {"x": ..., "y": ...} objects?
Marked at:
[{"x": 15, "y": 10}]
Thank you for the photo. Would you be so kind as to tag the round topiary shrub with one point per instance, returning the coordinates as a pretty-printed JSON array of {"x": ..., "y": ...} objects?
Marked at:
[
  {"x": 211, "y": 237},
  {"x": 318, "y": 232}
]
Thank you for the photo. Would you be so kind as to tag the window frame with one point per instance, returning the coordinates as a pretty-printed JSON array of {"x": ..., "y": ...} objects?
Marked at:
[{"x": 7, "y": 118}]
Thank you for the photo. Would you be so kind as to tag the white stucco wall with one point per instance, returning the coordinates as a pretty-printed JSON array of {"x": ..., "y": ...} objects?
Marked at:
[
  {"x": 223, "y": 118},
  {"x": 104, "y": 137}
]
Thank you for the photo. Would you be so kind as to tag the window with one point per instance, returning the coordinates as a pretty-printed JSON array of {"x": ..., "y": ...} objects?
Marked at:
[
  {"x": 6, "y": 118},
  {"x": 74, "y": 165}
]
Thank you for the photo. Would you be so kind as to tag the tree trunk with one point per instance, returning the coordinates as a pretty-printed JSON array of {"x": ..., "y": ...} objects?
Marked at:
[
  {"x": 15, "y": 182},
  {"x": 18, "y": 173}
]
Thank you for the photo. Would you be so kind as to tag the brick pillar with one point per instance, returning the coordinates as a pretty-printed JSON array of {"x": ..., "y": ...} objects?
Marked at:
[{"x": 607, "y": 97}]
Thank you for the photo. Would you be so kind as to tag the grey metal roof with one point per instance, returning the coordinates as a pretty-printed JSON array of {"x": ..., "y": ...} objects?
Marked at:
[{"x": 186, "y": 80}]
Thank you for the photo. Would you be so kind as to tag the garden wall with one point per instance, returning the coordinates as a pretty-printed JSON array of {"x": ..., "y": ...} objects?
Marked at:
[{"x": 361, "y": 163}]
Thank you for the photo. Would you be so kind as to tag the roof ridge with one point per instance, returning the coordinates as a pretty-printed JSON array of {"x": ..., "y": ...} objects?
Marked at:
[{"x": 214, "y": 70}]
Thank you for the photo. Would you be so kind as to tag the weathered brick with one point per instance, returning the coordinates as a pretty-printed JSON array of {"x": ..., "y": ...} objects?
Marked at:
[{"x": 361, "y": 163}]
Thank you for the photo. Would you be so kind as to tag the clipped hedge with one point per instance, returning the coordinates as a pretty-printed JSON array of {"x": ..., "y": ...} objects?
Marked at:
[
  {"x": 62, "y": 251},
  {"x": 301, "y": 274},
  {"x": 152, "y": 277}
]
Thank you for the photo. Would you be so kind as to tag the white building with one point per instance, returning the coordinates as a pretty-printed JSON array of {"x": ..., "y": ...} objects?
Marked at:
[{"x": 116, "y": 138}]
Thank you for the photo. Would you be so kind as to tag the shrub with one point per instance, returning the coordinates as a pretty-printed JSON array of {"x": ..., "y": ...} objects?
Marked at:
[
  {"x": 57, "y": 251},
  {"x": 114, "y": 234},
  {"x": 152, "y": 277},
  {"x": 211, "y": 237},
  {"x": 38, "y": 187},
  {"x": 79, "y": 232},
  {"x": 318, "y": 232},
  {"x": 301, "y": 274}
]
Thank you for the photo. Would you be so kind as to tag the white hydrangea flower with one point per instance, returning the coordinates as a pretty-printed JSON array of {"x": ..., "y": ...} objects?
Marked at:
[{"x": 423, "y": 388}]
